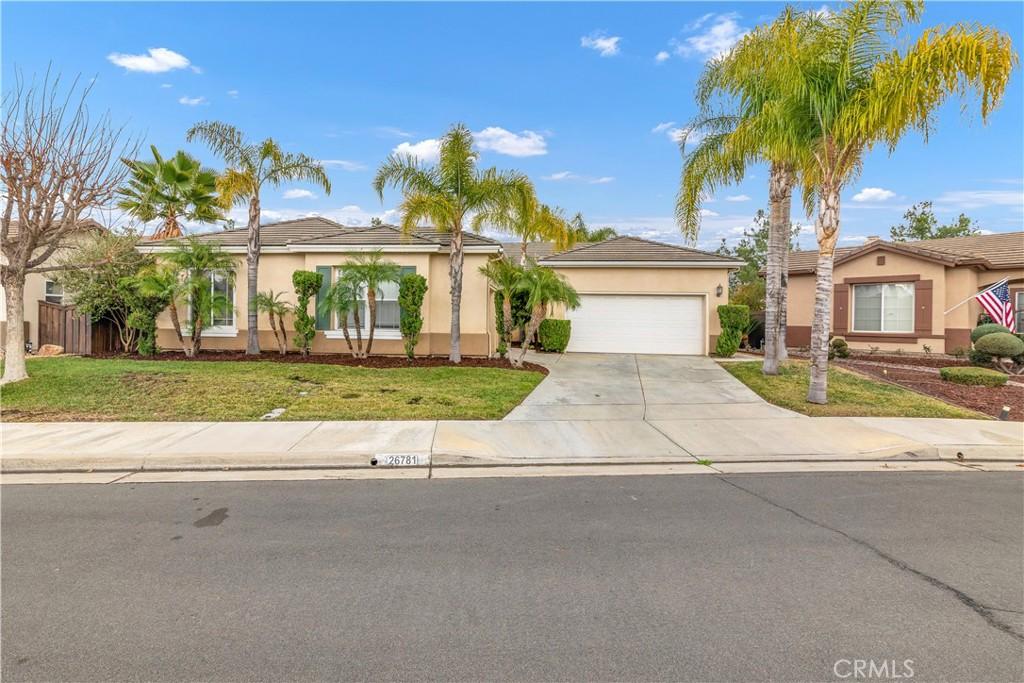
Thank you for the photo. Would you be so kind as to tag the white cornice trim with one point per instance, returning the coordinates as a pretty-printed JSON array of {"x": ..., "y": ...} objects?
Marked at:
[{"x": 726, "y": 265}]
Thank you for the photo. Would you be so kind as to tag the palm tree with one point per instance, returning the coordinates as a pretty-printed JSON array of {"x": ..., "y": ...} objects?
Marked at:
[
  {"x": 525, "y": 217},
  {"x": 368, "y": 272},
  {"x": 447, "y": 194},
  {"x": 504, "y": 277},
  {"x": 579, "y": 232},
  {"x": 250, "y": 167},
  {"x": 342, "y": 300},
  {"x": 171, "y": 190},
  {"x": 543, "y": 287},
  {"x": 197, "y": 263},
  {"x": 270, "y": 302},
  {"x": 860, "y": 89},
  {"x": 164, "y": 281}
]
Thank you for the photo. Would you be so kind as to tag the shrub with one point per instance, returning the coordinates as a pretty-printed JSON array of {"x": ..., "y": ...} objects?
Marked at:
[
  {"x": 307, "y": 284},
  {"x": 411, "y": 290},
  {"x": 728, "y": 342},
  {"x": 1000, "y": 344},
  {"x": 979, "y": 359},
  {"x": 554, "y": 334},
  {"x": 988, "y": 328},
  {"x": 734, "y": 316},
  {"x": 982, "y": 377},
  {"x": 959, "y": 352},
  {"x": 520, "y": 313},
  {"x": 838, "y": 348}
]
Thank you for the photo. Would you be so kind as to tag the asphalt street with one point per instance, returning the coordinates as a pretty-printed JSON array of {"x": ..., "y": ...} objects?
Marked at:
[{"x": 711, "y": 578}]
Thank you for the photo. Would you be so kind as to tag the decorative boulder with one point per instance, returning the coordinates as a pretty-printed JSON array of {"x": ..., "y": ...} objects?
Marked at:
[{"x": 50, "y": 350}]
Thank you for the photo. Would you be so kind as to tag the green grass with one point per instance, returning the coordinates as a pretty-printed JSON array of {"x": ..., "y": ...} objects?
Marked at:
[
  {"x": 849, "y": 394},
  {"x": 78, "y": 389}
]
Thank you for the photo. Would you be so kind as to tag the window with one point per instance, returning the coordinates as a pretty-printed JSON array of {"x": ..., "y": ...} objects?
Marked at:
[
  {"x": 883, "y": 308},
  {"x": 54, "y": 293},
  {"x": 223, "y": 291},
  {"x": 1018, "y": 308},
  {"x": 388, "y": 311}
]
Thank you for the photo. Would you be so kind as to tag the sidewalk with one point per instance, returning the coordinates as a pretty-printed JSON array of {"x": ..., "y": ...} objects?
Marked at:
[{"x": 198, "y": 446}]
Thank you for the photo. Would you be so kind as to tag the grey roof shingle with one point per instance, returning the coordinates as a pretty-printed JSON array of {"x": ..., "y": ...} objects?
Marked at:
[
  {"x": 272, "y": 234},
  {"x": 628, "y": 249},
  {"x": 534, "y": 250}
]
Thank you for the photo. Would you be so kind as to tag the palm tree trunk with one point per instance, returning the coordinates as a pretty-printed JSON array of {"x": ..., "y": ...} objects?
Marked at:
[
  {"x": 358, "y": 353},
  {"x": 14, "y": 348},
  {"x": 371, "y": 304},
  {"x": 536, "y": 318},
  {"x": 197, "y": 337},
  {"x": 780, "y": 191},
  {"x": 455, "y": 274},
  {"x": 781, "y": 353},
  {"x": 176, "y": 323},
  {"x": 252, "y": 262},
  {"x": 522, "y": 253},
  {"x": 827, "y": 229},
  {"x": 344, "y": 331},
  {"x": 281, "y": 344},
  {"x": 506, "y": 314}
]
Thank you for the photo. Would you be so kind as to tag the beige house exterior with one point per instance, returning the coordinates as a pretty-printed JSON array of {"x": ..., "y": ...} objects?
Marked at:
[
  {"x": 894, "y": 295},
  {"x": 664, "y": 275}
]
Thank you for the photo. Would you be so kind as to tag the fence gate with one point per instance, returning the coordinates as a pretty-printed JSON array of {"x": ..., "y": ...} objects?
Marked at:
[{"x": 76, "y": 332}]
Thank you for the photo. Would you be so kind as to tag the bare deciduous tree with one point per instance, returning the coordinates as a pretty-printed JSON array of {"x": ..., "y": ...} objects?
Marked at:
[{"x": 57, "y": 167}]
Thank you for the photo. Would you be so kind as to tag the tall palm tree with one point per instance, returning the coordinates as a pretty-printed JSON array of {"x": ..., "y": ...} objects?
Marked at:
[
  {"x": 852, "y": 77},
  {"x": 196, "y": 263},
  {"x": 504, "y": 277},
  {"x": 448, "y": 194},
  {"x": 370, "y": 271},
  {"x": 270, "y": 302},
  {"x": 250, "y": 167},
  {"x": 171, "y": 190},
  {"x": 529, "y": 220},
  {"x": 543, "y": 287}
]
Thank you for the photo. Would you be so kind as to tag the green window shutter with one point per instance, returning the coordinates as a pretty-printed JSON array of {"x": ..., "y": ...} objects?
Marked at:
[{"x": 323, "y": 318}]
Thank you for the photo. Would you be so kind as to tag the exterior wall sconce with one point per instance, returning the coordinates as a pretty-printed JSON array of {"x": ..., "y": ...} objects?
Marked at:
[{"x": 718, "y": 291}]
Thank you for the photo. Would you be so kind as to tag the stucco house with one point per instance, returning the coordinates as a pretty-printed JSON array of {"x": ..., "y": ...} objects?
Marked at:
[
  {"x": 894, "y": 295},
  {"x": 638, "y": 296}
]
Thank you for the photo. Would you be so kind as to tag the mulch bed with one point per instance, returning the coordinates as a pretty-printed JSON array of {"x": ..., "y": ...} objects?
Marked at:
[
  {"x": 987, "y": 400},
  {"x": 382, "y": 362}
]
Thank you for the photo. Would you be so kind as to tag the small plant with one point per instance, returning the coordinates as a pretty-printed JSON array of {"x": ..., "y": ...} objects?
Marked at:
[
  {"x": 898, "y": 351},
  {"x": 411, "y": 290},
  {"x": 838, "y": 348},
  {"x": 728, "y": 343},
  {"x": 983, "y": 377},
  {"x": 979, "y": 359},
  {"x": 307, "y": 283},
  {"x": 554, "y": 334},
  {"x": 704, "y": 461},
  {"x": 269, "y": 302},
  {"x": 872, "y": 350},
  {"x": 959, "y": 352},
  {"x": 927, "y": 349},
  {"x": 734, "y": 319}
]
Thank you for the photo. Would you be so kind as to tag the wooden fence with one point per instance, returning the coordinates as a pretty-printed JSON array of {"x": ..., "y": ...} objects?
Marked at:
[{"x": 76, "y": 332}]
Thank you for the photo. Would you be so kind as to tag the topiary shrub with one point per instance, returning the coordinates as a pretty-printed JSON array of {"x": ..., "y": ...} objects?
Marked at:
[
  {"x": 554, "y": 334},
  {"x": 838, "y": 348},
  {"x": 1000, "y": 344},
  {"x": 411, "y": 290},
  {"x": 307, "y": 284},
  {"x": 979, "y": 359},
  {"x": 974, "y": 376},
  {"x": 988, "y": 328},
  {"x": 728, "y": 342},
  {"x": 734, "y": 316}
]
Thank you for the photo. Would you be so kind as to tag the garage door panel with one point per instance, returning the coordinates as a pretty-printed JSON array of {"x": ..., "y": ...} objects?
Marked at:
[{"x": 606, "y": 323}]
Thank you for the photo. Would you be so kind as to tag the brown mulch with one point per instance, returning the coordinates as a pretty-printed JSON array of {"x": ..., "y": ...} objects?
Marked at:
[
  {"x": 934, "y": 361},
  {"x": 381, "y": 362},
  {"x": 987, "y": 400}
]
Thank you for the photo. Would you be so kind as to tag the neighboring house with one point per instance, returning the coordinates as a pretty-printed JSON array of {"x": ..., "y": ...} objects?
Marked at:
[
  {"x": 41, "y": 286},
  {"x": 893, "y": 295},
  {"x": 638, "y": 296}
]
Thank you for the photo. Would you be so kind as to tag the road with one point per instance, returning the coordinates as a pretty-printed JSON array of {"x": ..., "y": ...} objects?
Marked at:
[{"x": 723, "y": 578}]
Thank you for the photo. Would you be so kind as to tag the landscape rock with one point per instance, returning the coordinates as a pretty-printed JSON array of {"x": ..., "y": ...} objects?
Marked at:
[{"x": 50, "y": 350}]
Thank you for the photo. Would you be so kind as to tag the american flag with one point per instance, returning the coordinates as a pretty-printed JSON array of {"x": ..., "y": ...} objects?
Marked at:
[{"x": 996, "y": 302}]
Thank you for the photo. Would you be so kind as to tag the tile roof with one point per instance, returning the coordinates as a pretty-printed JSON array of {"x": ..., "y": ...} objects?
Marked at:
[
  {"x": 272, "y": 234},
  {"x": 534, "y": 250},
  {"x": 382, "y": 235},
  {"x": 636, "y": 250},
  {"x": 1000, "y": 250}
]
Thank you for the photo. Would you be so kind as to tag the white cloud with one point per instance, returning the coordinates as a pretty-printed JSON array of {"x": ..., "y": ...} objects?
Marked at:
[
  {"x": 708, "y": 213},
  {"x": 873, "y": 194},
  {"x": 857, "y": 239},
  {"x": 976, "y": 199},
  {"x": 569, "y": 175},
  {"x": 737, "y": 198},
  {"x": 191, "y": 101},
  {"x": 392, "y": 131},
  {"x": 662, "y": 56},
  {"x": 351, "y": 215},
  {"x": 343, "y": 164},
  {"x": 662, "y": 127},
  {"x": 158, "y": 60},
  {"x": 561, "y": 175},
  {"x": 605, "y": 45},
  {"x": 166, "y": 85},
  {"x": 424, "y": 150},
  {"x": 692, "y": 136},
  {"x": 524, "y": 144},
  {"x": 603, "y": 180},
  {"x": 720, "y": 33},
  {"x": 299, "y": 194},
  {"x": 232, "y": 94}
]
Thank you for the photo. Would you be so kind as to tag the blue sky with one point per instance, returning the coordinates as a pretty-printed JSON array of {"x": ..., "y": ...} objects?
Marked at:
[{"x": 583, "y": 97}]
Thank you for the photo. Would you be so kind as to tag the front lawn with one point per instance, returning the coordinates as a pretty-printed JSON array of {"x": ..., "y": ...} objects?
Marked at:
[
  {"x": 83, "y": 389},
  {"x": 849, "y": 395}
]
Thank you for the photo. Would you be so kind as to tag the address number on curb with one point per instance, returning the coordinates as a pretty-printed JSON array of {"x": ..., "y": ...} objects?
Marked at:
[{"x": 400, "y": 460}]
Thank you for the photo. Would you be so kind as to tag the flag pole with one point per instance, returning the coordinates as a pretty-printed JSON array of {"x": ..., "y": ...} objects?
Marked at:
[{"x": 973, "y": 296}]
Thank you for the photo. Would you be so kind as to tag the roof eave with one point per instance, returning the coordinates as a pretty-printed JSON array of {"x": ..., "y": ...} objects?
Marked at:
[{"x": 728, "y": 265}]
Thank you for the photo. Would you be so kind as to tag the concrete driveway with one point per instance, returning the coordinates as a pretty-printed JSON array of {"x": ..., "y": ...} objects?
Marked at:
[{"x": 596, "y": 386}]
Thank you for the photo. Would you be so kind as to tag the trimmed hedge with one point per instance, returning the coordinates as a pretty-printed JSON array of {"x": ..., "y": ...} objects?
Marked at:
[
  {"x": 734, "y": 316},
  {"x": 988, "y": 328},
  {"x": 728, "y": 342},
  {"x": 981, "y": 377},
  {"x": 411, "y": 290},
  {"x": 838, "y": 348},
  {"x": 1002, "y": 344},
  {"x": 307, "y": 284},
  {"x": 554, "y": 334}
]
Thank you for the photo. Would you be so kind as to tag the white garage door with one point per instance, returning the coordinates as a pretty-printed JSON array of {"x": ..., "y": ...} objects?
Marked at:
[{"x": 614, "y": 323}]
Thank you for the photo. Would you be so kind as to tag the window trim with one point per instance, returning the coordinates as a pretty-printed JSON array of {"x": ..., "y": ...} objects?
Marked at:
[
  {"x": 1018, "y": 309},
  {"x": 217, "y": 330},
  {"x": 47, "y": 295},
  {"x": 881, "y": 319},
  {"x": 335, "y": 331}
]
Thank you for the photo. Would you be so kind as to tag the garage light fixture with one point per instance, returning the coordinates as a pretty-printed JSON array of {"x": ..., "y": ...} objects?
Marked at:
[{"x": 718, "y": 291}]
